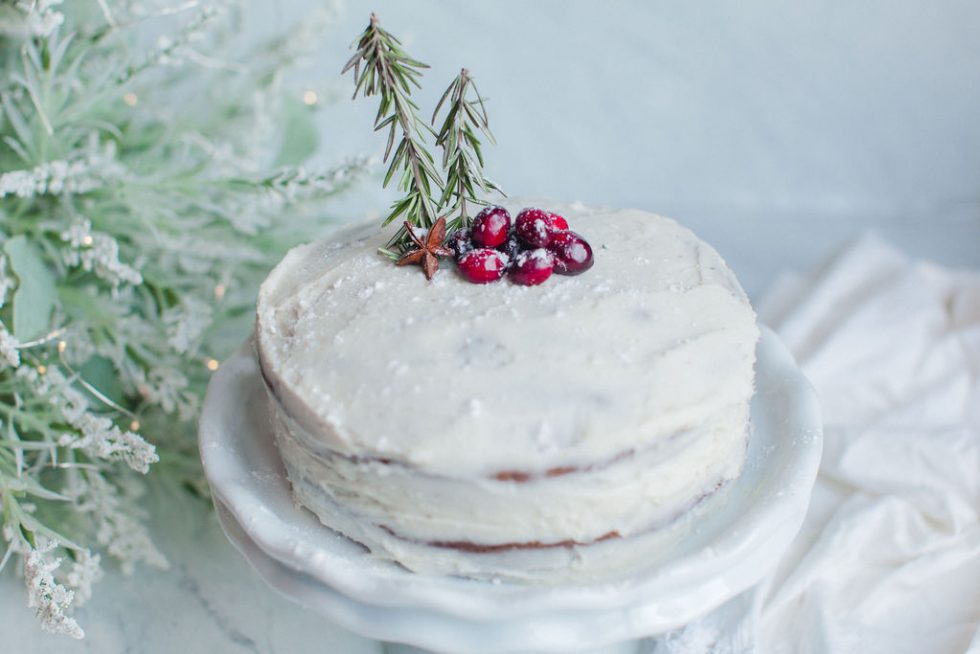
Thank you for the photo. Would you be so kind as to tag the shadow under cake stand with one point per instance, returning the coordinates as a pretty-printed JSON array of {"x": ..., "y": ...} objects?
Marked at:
[{"x": 734, "y": 543}]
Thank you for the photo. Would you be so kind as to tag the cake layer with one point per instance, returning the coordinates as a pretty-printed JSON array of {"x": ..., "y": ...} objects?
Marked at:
[
  {"x": 624, "y": 496},
  {"x": 608, "y": 558}
]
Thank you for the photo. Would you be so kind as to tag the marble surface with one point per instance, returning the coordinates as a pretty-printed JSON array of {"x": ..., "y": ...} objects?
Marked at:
[
  {"x": 208, "y": 601},
  {"x": 775, "y": 131}
]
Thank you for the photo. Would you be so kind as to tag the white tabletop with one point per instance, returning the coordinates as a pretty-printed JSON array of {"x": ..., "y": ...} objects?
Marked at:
[{"x": 776, "y": 131}]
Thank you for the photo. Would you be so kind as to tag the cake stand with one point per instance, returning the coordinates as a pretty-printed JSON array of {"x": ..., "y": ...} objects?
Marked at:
[{"x": 734, "y": 543}]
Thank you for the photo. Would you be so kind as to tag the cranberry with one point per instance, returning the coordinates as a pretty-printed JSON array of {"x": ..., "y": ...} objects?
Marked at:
[
  {"x": 512, "y": 247},
  {"x": 556, "y": 222},
  {"x": 532, "y": 267},
  {"x": 531, "y": 227},
  {"x": 482, "y": 265},
  {"x": 490, "y": 227},
  {"x": 573, "y": 254},
  {"x": 460, "y": 242}
]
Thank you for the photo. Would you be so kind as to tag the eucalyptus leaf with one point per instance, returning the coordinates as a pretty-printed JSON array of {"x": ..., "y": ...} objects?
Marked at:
[
  {"x": 103, "y": 376},
  {"x": 35, "y": 296}
]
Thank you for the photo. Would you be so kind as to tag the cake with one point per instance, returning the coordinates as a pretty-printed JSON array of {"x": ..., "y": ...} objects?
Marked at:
[{"x": 506, "y": 432}]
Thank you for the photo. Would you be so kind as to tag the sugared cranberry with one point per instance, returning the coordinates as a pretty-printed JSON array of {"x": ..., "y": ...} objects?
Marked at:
[
  {"x": 490, "y": 227},
  {"x": 532, "y": 267},
  {"x": 482, "y": 265},
  {"x": 535, "y": 226},
  {"x": 531, "y": 226},
  {"x": 512, "y": 247},
  {"x": 460, "y": 242},
  {"x": 556, "y": 222},
  {"x": 573, "y": 254}
]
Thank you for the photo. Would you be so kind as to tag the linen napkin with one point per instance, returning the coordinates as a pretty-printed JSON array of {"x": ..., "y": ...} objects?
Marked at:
[
  {"x": 889, "y": 556},
  {"x": 888, "y": 559}
]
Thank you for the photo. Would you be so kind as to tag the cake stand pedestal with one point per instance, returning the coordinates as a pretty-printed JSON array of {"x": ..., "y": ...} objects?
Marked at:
[
  {"x": 619, "y": 648},
  {"x": 735, "y": 542}
]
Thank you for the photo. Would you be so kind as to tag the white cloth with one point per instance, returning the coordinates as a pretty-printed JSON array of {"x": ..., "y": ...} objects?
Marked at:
[
  {"x": 888, "y": 559},
  {"x": 889, "y": 556}
]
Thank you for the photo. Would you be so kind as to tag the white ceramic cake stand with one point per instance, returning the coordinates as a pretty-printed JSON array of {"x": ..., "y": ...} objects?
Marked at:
[{"x": 734, "y": 544}]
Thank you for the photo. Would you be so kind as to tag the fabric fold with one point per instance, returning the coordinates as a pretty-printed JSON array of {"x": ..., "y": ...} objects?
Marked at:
[
  {"x": 889, "y": 556},
  {"x": 888, "y": 559}
]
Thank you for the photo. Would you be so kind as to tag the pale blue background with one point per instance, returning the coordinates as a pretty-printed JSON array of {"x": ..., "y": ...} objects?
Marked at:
[{"x": 776, "y": 130}]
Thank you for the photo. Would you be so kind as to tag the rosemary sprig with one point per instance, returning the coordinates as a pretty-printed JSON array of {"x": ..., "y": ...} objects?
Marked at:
[
  {"x": 462, "y": 158},
  {"x": 382, "y": 67}
]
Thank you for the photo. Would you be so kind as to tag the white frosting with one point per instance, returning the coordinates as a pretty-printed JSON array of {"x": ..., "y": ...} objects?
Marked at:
[{"x": 399, "y": 402}]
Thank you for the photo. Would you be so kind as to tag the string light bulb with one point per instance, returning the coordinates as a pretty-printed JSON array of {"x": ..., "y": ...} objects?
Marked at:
[
  {"x": 131, "y": 99},
  {"x": 62, "y": 346},
  {"x": 219, "y": 291},
  {"x": 42, "y": 369},
  {"x": 212, "y": 364},
  {"x": 310, "y": 98},
  {"x": 134, "y": 425},
  {"x": 87, "y": 240}
]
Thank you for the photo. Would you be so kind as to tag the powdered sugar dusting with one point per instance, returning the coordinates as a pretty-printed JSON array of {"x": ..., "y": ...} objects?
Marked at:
[{"x": 361, "y": 327}]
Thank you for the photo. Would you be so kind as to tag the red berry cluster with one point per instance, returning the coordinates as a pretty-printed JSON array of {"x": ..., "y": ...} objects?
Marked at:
[{"x": 537, "y": 244}]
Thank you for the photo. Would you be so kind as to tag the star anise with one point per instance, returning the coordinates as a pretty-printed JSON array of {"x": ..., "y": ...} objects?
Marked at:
[{"x": 429, "y": 249}]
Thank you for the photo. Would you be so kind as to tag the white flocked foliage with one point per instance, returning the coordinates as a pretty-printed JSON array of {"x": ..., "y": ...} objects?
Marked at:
[{"x": 135, "y": 226}]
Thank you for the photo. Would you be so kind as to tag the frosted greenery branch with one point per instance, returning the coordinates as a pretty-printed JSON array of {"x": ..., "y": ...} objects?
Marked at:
[
  {"x": 381, "y": 67},
  {"x": 142, "y": 196},
  {"x": 462, "y": 158}
]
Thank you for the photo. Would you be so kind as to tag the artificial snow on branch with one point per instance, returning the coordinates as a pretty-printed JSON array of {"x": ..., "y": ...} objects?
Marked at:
[{"x": 145, "y": 191}]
